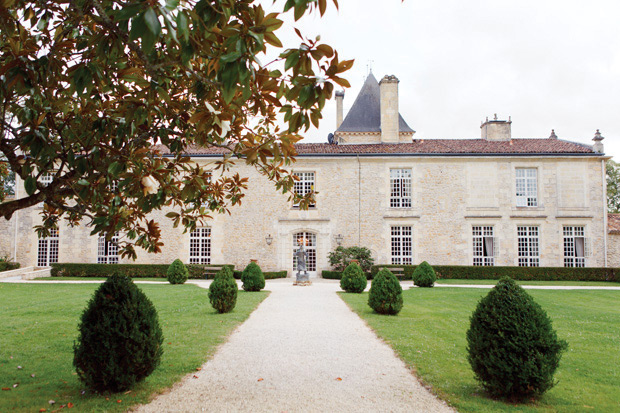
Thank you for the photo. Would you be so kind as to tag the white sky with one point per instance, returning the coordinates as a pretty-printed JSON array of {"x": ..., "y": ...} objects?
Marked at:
[{"x": 547, "y": 63}]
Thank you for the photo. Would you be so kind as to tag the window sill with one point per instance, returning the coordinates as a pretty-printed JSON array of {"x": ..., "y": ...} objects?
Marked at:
[
  {"x": 528, "y": 208},
  {"x": 296, "y": 208}
]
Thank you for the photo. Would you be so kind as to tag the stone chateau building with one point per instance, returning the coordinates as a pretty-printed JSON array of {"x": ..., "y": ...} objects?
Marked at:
[{"x": 495, "y": 200}]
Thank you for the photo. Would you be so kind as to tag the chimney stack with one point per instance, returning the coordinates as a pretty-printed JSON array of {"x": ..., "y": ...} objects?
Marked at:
[
  {"x": 496, "y": 130},
  {"x": 598, "y": 142},
  {"x": 389, "y": 109},
  {"x": 339, "y": 103}
]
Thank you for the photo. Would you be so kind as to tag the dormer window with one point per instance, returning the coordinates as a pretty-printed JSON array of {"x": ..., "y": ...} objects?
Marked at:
[{"x": 527, "y": 187}]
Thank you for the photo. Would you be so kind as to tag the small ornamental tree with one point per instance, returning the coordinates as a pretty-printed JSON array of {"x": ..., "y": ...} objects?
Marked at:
[
  {"x": 341, "y": 257},
  {"x": 253, "y": 278},
  {"x": 177, "y": 272},
  {"x": 120, "y": 340},
  {"x": 424, "y": 275},
  {"x": 223, "y": 291},
  {"x": 512, "y": 347},
  {"x": 386, "y": 294},
  {"x": 353, "y": 279}
]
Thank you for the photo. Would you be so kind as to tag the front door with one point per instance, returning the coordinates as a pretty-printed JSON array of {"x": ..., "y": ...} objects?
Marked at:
[{"x": 308, "y": 240}]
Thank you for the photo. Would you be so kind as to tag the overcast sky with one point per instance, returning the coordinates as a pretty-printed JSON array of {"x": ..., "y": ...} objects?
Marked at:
[{"x": 548, "y": 64}]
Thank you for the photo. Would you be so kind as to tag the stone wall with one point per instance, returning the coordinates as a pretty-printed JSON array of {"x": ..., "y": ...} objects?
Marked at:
[
  {"x": 613, "y": 250},
  {"x": 450, "y": 195}
]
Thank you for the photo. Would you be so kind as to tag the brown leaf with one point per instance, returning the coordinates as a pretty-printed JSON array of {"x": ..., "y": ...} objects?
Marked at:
[
  {"x": 195, "y": 376},
  {"x": 261, "y": 379},
  {"x": 119, "y": 401},
  {"x": 70, "y": 405},
  {"x": 338, "y": 379},
  {"x": 198, "y": 368},
  {"x": 42, "y": 410},
  {"x": 6, "y": 388}
]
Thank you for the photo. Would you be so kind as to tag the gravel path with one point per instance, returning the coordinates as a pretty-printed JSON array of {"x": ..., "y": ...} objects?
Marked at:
[{"x": 301, "y": 350}]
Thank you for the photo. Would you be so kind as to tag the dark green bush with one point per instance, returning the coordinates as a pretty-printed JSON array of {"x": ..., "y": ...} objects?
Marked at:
[
  {"x": 120, "y": 340},
  {"x": 253, "y": 278},
  {"x": 386, "y": 294},
  {"x": 269, "y": 275},
  {"x": 7, "y": 265},
  {"x": 424, "y": 275},
  {"x": 341, "y": 257},
  {"x": 512, "y": 347},
  {"x": 353, "y": 279},
  {"x": 195, "y": 271},
  {"x": 407, "y": 273},
  {"x": 223, "y": 291},
  {"x": 177, "y": 272},
  {"x": 331, "y": 275}
]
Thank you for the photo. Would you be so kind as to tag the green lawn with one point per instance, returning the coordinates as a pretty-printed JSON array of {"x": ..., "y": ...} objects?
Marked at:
[
  {"x": 429, "y": 335},
  {"x": 39, "y": 326},
  {"x": 560, "y": 283}
]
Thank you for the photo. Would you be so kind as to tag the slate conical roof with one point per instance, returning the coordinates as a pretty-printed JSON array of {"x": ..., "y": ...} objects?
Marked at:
[{"x": 365, "y": 114}]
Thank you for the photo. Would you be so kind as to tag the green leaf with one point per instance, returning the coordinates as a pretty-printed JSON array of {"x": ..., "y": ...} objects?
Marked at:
[
  {"x": 83, "y": 182},
  {"x": 31, "y": 185},
  {"x": 152, "y": 22},
  {"x": 182, "y": 26},
  {"x": 115, "y": 168},
  {"x": 128, "y": 12}
]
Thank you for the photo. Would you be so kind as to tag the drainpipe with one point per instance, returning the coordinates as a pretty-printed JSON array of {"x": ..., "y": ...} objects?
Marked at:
[
  {"x": 603, "y": 175},
  {"x": 359, "y": 201},
  {"x": 16, "y": 219}
]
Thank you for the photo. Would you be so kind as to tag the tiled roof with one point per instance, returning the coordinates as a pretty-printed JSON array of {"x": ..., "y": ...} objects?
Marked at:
[
  {"x": 613, "y": 223},
  {"x": 365, "y": 114},
  {"x": 430, "y": 147}
]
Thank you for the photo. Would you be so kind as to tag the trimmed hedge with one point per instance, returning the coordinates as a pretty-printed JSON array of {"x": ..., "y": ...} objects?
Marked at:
[
  {"x": 516, "y": 273},
  {"x": 408, "y": 271},
  {"x": 269, "y": 275},
  {"x": 196, "y": 271},
  {"x": 337, "y": 275},
  {"x": 8, "y": 266}
]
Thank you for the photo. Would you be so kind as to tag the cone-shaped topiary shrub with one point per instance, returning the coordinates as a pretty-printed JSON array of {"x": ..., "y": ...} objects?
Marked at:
[
  {"x": 177, "y": 272},
  {"x": 253, "y": 278},
  {"x": 353, "y": 279},
  {"x": 386, "y": 294},
  {"x": 223, "y": 291},
  {"x": 120, "y": 340},
  {"x": 424, "y": 275},
  {"x": 511, "y": 344}
]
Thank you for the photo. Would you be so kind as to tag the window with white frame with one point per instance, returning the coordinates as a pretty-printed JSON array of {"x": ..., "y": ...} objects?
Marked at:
[
  {"x": 308, "y": 240},
  {"x": 46, "y": 178},
  {"x": 528, "y": 246},
  {"x": 527, "y": 187},
  {"x": 200, "y": 246},
  {"x": 485, "y": 244},
  {"x": 107, "y": 250},
  {"x": 304, "y": 185},
  {"x": 402, "y": 245},
  {"x": 576, "y": 246},
  {"x": 400, "y": 188},
  {"x": 48, "y": 249}
]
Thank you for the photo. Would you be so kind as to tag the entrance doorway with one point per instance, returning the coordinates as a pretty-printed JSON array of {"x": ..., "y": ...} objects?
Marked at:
[{"x": 308, "y": 240}]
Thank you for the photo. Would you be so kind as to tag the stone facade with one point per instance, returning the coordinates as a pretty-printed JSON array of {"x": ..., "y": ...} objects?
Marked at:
[{"x": 455, "y": 185}]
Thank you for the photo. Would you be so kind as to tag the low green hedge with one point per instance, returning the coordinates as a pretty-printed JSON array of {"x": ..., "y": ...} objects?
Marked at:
[
  {"x": 8, "y": 266},
  {"x": 406, "y": 275},
  {"x": 337, "y": 275},
  {"x": 269, "y": 275},
  {"x": 196, "y": 271},
  {"x": 468, "y": 272}
]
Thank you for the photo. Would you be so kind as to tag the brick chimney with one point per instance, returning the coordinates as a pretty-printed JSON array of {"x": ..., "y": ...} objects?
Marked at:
[
  {"x": 339, "y": 110},
  {"x": 389, "y": 108},
  {"x": 496, "y": 130}
]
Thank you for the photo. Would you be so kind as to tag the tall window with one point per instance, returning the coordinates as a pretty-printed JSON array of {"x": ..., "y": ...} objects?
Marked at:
[
  {"x": 308, "y": 240},
  {"x": 400, "y": 188},
  {"x": 527, "y": 187},
  {"x": 200, "y": 246},
  {"x": 402, "y": 245},
  {"x": 485, "y": 245},
  {"x": 529, "y": 255},
  {"x": 107, "y": 250},
  {"x": 46, "y": 178},
  {"x": 304, "y": 185},
  {"x": 576, "y": 247},
  {"x": 48, "y": 249}
]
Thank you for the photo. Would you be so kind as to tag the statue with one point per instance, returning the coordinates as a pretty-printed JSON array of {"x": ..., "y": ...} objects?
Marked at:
[{"x": 301, "y": 256}]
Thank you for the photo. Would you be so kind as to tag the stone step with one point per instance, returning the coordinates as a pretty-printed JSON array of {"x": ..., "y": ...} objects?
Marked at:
[
  {"x": 38, "y": 273},
  {"x": 16, "y": 273}
]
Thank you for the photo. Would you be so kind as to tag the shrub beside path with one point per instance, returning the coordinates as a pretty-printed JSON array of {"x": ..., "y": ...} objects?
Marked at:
[{"x": 301, "y": 350}]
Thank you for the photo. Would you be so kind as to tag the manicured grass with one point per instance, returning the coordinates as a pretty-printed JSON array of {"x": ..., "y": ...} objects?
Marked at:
[
  {"x": 39, "y": 326},
  {"x": 558, "y": 283},
  {"x": 429, "y": 335},
  {"x": 165, "y": 280}
]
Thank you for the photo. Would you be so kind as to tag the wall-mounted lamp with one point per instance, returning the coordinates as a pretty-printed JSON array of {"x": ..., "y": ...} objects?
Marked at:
[
  {"x": 269, "y": 239},
  {"x": 339, "y": 239}
]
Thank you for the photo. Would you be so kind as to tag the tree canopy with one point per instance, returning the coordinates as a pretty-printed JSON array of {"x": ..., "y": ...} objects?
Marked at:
[
  {"x": 88, "y": 87},
  {"x": 613, "y": 186}
]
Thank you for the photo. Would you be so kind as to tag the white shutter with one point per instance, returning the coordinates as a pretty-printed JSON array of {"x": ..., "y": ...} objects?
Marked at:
[
  {"x": 495, "y": 246},
  {"x": 587, "y": 247}
]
